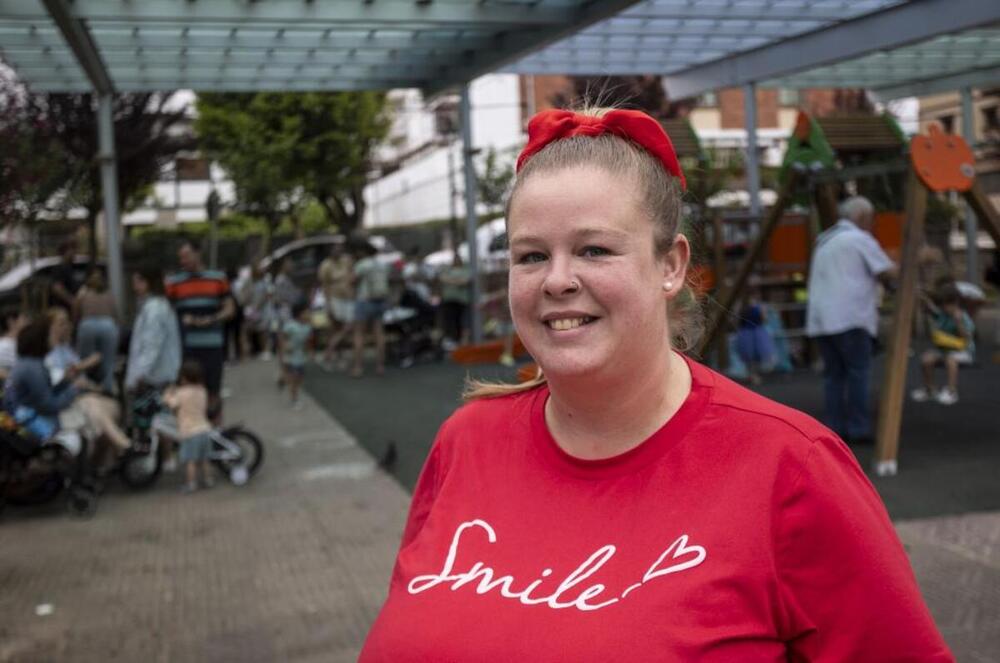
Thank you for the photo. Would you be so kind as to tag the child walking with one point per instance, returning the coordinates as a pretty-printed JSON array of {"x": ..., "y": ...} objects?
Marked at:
[
  {"x": 189, "y": 401},
  {"x": 294, "y": 336}
]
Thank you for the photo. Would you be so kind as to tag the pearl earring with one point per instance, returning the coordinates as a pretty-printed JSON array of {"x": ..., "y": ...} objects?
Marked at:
[{"x": 667, "y": 285}]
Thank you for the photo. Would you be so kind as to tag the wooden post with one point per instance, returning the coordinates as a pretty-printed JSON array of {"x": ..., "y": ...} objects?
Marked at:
[
  {"x": 729, "y": 295},
  {"x": 891, "y": 397},
  {"x": 989, "y": 218},
  {"x": 826, "y": 204}
]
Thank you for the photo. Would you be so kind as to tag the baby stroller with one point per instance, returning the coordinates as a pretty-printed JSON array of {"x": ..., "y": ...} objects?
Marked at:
[
  {"x": 35, "y": 471},
  {"x": 411, "y": 331}
]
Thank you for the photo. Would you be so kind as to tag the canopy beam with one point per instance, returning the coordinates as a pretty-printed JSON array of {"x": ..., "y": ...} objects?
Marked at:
[
  {"x": 894, "y": 27},
  {"x": 81, "y": 44},
  {"x": 471, "y": 217},
  {"x": 512, "y": 46}
]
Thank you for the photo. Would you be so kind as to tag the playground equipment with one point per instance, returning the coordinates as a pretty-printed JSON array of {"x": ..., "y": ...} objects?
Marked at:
[
  {"x": 938, "y": 162},
  {"x": 822, "y": 153}
]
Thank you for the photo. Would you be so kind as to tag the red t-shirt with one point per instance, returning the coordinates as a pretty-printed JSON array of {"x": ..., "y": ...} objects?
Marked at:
[{"x": 742, "y": 530}]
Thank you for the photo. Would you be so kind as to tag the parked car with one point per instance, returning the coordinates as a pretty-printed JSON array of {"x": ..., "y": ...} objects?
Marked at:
[
  {"x": 37, "y": 272},
  {"x": 307, "y": 254},
  {"x": 492, "y": 253}
]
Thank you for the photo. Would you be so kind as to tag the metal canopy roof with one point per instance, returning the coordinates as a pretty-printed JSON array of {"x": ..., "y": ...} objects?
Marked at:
[
  {"x": 895, "y": 47},
  {"x": 245, "y": 45}
]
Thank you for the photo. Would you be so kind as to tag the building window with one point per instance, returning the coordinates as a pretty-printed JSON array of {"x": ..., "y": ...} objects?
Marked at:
[
  {"x": 709, "y": 100},
  {"x": 788, "y": 97},
  {"x": 991, "y": 118},
  {"x": 947, "y": 123}
]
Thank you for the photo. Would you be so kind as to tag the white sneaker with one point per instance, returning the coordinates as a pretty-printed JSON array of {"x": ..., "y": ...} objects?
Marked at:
[
  {"x": 170, "y": 464},
  {"x": 921, "y": 394},
  {"x": 947, "y": 397},
  {"x": 265, "y": 356}
]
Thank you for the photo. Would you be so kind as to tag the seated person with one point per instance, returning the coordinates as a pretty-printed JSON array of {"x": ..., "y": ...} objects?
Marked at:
[
  {"x": 29, "y": 395},
  {"x": 952, "y": 333},
  {"x": 13, "y": 322},
  {"x": 100, "y": 412}
]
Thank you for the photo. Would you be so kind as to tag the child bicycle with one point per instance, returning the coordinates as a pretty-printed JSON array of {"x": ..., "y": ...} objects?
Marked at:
[{"x": 236, "y": 451}]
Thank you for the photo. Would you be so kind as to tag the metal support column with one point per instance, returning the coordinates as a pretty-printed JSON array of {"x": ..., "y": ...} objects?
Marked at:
[
  {"x": 752, "y": 165},
  {"x": 471, "y": 219},
  {"x": 971, "y": 225},
  {"x": 109, "y": 189}
]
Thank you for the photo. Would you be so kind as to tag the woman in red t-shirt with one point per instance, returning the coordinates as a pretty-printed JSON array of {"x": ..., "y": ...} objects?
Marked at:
[{"x": 633, "y": 505}]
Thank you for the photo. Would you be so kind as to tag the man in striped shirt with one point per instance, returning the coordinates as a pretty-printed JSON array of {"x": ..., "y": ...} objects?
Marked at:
[{"x": 203, "y": 304}]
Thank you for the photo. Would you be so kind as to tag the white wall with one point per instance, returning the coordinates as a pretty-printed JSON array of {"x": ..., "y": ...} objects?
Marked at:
[{"x": 419, "y": 190}]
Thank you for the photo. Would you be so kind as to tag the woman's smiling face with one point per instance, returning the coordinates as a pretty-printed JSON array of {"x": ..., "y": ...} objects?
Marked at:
[{"x": 586, "y": 286}]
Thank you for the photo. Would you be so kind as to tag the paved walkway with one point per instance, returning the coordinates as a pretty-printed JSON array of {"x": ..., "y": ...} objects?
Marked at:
[
  {"x": 291, "y": 567},
  {"x": 294, "y": 566}
]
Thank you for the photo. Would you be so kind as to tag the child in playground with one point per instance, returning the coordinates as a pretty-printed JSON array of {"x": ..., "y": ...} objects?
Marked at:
[
  {"x": 295, "y": 335},
  {"x": 952, "y": 332},
  {"x": 189, "y": 401},
  {"x": 753, "y": 339}
]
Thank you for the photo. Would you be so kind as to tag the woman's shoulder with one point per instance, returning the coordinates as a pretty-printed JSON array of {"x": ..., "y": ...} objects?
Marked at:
[
  {"x": 739, "y": 408},
  {"x": 485, "y": 417}
]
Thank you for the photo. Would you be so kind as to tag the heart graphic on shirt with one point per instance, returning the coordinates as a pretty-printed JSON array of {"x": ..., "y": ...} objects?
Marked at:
[{"x": 678, "y": 550}]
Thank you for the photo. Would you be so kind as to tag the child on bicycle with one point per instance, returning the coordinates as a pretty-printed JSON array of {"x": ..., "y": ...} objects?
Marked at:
[
  {"x": 952, "y": 332},
  {"x": 295, "y": 333},
  {"x": 189, "y": 401}
]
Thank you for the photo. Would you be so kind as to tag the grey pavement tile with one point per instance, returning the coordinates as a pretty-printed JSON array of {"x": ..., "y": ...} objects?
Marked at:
[{"x": 292, "y": 567}]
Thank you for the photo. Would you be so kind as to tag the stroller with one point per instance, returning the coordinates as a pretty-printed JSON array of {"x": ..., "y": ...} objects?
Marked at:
[
  {"x": 35, "y": 471},
  {"x": 411, "y": 331}
]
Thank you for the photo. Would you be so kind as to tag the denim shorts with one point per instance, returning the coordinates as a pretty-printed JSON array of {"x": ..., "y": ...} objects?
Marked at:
[
  {"x": 370, "y": 309},
  {"x": 295, "y": 369},
  {"x": 195, "y": 448}
]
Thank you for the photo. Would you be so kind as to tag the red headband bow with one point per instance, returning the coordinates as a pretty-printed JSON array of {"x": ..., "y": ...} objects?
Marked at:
[{"x": 552, "y": 125}]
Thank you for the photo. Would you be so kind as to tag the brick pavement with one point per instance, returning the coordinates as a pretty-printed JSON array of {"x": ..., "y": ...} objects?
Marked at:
[{"x": 291, "y": 567}]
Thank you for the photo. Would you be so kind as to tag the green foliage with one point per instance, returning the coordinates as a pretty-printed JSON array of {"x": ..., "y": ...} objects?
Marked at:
[
  {"x": 311, "y": 220},
  {"x": 256, "y": 148},
  {"x": 33, "y": 166},
  {"x": 282, "y": 148},
  {"x": 494, "y": 178},
  {"x": 716, "y": 173},
  {"x": 49, "y": 161}
]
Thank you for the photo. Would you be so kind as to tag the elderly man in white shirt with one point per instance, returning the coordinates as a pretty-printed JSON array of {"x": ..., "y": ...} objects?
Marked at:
[{"x": 842, "y": 315}]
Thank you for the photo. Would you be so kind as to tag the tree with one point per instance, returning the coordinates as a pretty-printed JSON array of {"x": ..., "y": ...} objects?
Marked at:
[
  {"x": 280, "y": 148},
  {"x": 145, "y": 138},
  {"x": 256, "y": 147},
  {"x": 33, "y": 166},
  {"x": 338, "y": 134},
  {"x": 494, "y": 179},
  {"x": 51, "y": 147}
]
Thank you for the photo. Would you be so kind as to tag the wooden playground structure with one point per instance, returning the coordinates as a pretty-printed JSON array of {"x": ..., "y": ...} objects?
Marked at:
[{"x": 937, "y": 163}]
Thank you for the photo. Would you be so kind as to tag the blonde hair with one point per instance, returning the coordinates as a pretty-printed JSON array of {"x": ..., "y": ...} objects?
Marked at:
[{"x": 660, "y": 199}]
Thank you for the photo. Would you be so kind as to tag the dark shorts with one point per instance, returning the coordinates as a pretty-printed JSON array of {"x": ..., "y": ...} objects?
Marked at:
[
  {"x": 295, "y": 369},
  {"x": 211, "y": 360}
]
